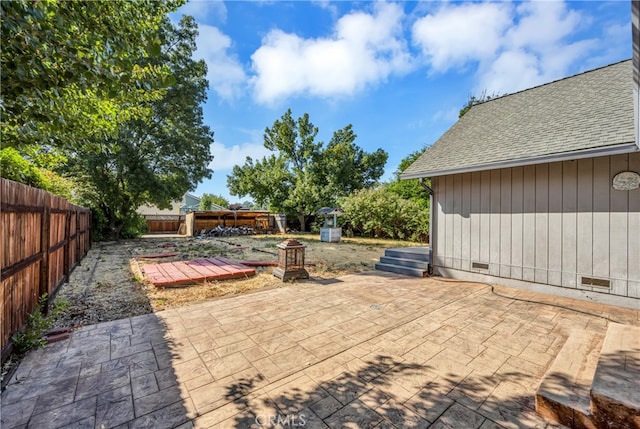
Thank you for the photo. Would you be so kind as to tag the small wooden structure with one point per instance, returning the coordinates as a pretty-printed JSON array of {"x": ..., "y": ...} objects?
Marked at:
[
  {"x": 186, "y": 272},
  {"x": 261, "y": 221},
  {"x": 526, "y": 190},
  {"x": 290, "y": 261}
]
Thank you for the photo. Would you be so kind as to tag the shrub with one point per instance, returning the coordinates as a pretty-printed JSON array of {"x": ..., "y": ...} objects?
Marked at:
[
  {"x": 37, "y": 325},
  {"x": 384, "y": 214}
]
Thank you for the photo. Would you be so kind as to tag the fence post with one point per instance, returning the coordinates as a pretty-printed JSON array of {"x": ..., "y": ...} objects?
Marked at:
[
  {"x": 67, "y": 245},
  {"x": 44, "y": 248},
  {"x": 78, "y": 257}
]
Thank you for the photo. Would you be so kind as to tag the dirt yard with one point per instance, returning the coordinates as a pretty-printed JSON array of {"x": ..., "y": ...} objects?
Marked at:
[{"x": 110, "y": 284}]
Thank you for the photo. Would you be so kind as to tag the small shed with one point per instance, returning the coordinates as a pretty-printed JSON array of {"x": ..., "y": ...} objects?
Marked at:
[
  {"x": 261, "y": 221},
  {"x": 539, "y": 190}
]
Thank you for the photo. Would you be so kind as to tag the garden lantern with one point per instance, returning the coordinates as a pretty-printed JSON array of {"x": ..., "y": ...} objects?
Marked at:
[{"x": 290, "y": 261}]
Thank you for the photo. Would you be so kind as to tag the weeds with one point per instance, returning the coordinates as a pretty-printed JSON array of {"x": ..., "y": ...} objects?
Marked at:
[{"x": 37, "y": 325}]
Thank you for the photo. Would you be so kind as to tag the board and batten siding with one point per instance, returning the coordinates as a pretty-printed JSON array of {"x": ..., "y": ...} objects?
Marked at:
[{"x": 549, "y": 223}]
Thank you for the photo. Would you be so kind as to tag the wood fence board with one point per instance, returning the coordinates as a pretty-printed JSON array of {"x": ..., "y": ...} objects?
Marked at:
[{"x": 32, "y": 222}]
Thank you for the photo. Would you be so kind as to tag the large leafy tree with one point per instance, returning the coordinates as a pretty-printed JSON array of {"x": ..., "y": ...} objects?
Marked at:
[
  {"x": 208, "y": 200},
  {"x": 410, "y": 189},
  {"x": 303, "y": 175},
  {"x": 74, "y": 69},
  {"x": 154, "y": 158}
]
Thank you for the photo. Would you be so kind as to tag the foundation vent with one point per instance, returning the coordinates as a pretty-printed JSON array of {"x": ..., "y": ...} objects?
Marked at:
[
  {"x": 589, "y": 281},
  {"x": 479, "y": 265}
]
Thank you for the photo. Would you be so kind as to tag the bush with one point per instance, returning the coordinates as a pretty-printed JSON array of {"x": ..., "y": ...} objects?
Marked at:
[
  {"x": 37, "y": 325},
  {"x": 384, "y": 214},
  {"x": 134, "y": 226}
]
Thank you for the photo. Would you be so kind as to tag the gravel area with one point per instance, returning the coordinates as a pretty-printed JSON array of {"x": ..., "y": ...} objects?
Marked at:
[{"x": 103, "y": 288}]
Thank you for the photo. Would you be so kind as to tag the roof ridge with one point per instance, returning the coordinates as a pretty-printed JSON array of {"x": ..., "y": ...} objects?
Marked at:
[
  {"x": 591, "y": 114},
  {"x": 555, "y": 81}
]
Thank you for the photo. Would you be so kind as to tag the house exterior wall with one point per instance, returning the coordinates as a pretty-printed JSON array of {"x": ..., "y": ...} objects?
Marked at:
[
  {"x": 189, "y": 203},
  {"x": 551, "y": 224},
  {"x": 635, "y": 36},
  {"x": 153, "y": 210},
  {"x": 178, "y": 207}
]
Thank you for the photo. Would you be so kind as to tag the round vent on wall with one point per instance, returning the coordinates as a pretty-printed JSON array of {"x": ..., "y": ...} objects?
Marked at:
[{"x": 626, "y": 181}]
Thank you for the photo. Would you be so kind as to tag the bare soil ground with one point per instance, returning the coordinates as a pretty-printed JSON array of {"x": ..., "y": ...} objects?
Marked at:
[{"x": 110, "y": 284}]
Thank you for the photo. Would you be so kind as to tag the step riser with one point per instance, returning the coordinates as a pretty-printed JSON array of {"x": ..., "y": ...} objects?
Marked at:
[
  {"x": 594, "y": 382},
  {"x": 562, "y": 414},
  {"x": 414, "y": 272},
  {"x": 615, "y": 391},
  {"x": 405, "y": 262},
  {"x": 563, "y": 395},
  {"x": 403, "y": 254}
]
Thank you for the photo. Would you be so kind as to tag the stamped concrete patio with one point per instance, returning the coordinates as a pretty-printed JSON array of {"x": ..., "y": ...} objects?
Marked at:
[{"x": 370, "y": 350}]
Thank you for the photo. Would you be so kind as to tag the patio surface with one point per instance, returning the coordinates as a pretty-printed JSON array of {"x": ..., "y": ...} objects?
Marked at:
[{"x": 370, "y": 350}]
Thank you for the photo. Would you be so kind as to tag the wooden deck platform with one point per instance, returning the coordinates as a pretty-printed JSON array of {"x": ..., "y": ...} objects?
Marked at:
[{"x": 181, "y": 273}]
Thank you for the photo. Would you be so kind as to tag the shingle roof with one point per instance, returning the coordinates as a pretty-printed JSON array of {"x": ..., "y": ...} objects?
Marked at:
[{"x": 587, "y": 111}]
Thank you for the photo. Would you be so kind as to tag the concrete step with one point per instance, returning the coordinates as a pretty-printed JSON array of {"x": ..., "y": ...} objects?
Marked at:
[
  {"x": 563, "y": 395},
  {"x": 416, "y": 253},
  {"x": 615, "y": 391},
  {"x": 413, "y": 263},
  {"x": 408, "y": 271}
]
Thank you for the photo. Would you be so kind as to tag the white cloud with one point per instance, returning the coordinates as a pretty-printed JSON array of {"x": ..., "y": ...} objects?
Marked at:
[
  {"x": 225, "y": 157},
  {"x": 535, "y": 48},
  {"x": 327, "y": 5},
  {"x": 224, "y": 72},
  {"x": 456, "y": 35},
  {"x": 542, "y": 25},
  {"x": 511, "y": 69},
  {"x": 514, "y": 47},
  {"x": 364, "y": 50}
]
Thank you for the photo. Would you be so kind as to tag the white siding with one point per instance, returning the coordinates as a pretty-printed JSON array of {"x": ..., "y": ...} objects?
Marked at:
[{"x": 549, "y": 223}]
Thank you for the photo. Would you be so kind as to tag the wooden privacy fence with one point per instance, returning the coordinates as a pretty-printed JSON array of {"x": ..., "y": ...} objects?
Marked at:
[
  {"x": 163, "y": 223},
  {"x": 43, "y": 238}
]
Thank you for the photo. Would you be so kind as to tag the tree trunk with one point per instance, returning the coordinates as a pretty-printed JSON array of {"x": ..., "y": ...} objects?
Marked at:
[{"x": 302, "y": 218}]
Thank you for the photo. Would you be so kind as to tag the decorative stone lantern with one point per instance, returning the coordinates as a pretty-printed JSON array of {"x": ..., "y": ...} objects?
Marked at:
[{"x": 290, "y": 261}]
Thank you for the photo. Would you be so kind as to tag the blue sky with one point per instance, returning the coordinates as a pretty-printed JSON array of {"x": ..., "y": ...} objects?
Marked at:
[{"x": 398, "y": 72}]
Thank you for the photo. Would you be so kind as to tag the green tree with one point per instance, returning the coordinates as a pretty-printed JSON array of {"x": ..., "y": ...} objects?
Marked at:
[
  {"x": 14, "y": 166},
  {"x": 155, "y": 158},
  {"x": 75, "y": 69},
  {"x": 208, "y": 200},
  {"x": 346, "y": 167},
  {"x": 410, "y": 189},
  {"x": 304, "y": 175}
]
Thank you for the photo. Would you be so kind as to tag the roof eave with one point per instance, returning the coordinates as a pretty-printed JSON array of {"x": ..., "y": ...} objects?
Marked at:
[{"x": 542, "y": 159}]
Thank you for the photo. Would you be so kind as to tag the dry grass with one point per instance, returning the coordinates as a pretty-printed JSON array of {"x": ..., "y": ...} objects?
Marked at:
[
  {"x": 111, "y": 285},
  {"x": 328, "y": 260}
]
